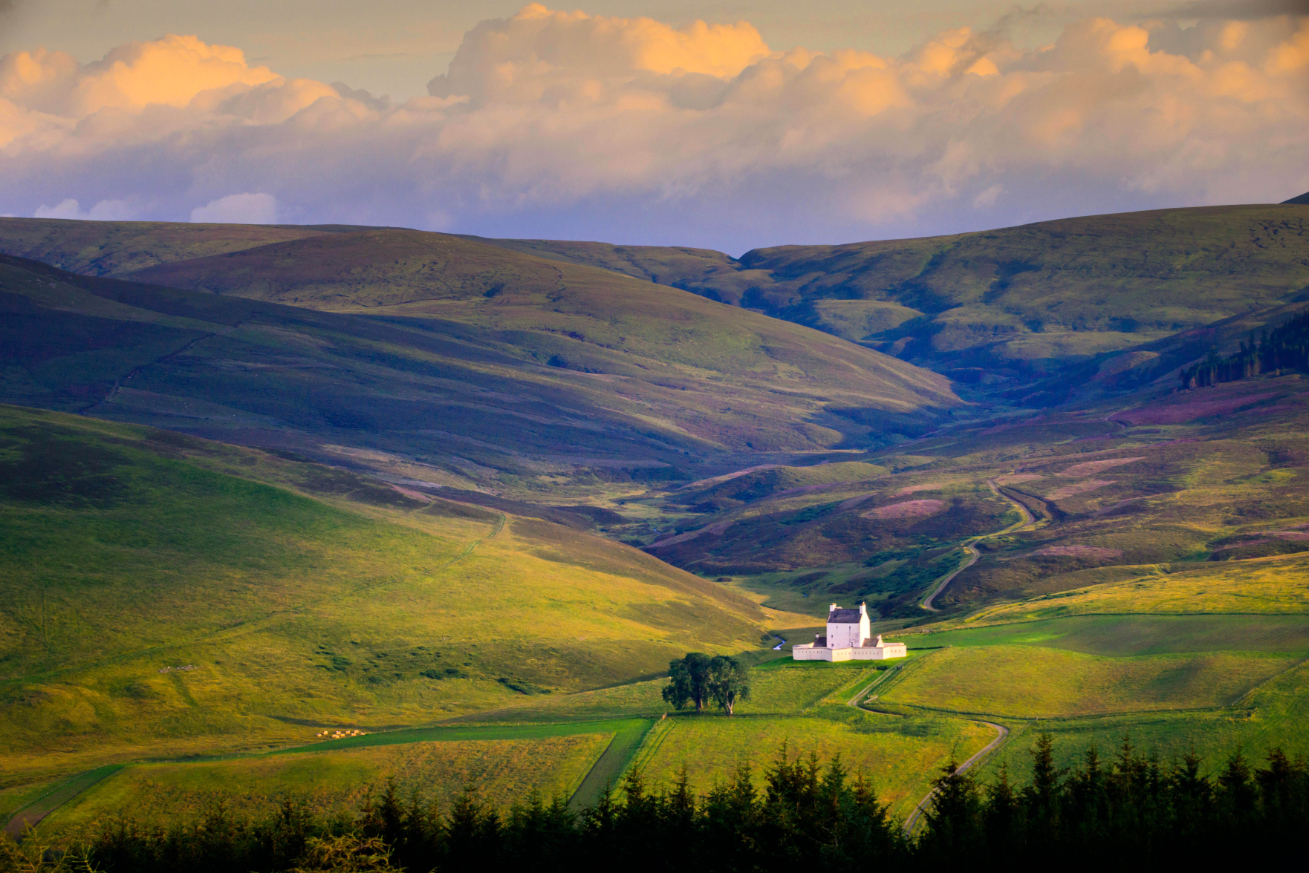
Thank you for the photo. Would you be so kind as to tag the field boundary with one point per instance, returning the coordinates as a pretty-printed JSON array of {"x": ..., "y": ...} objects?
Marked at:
[
  {"x": 56, "y": 796},
  {"x": 976, "y": 715},
  {"x": 964, "y": 626},
  {"x": 611, "y": 764}
]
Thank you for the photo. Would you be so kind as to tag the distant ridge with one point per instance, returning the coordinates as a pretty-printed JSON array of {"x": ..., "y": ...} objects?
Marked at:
[{"x": 1302, "y": 200}]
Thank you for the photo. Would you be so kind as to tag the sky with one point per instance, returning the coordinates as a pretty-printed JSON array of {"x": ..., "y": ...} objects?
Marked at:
[{"x": 727, "y": 125}]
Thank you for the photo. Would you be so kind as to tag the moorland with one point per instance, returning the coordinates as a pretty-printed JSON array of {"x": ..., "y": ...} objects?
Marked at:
[{"x": 464, "y": 499}]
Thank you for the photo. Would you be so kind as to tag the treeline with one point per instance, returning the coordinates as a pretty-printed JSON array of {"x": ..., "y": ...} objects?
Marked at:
[
  {"x": 1285, "y": 348},
  {"x": 1132, "y": 812}
]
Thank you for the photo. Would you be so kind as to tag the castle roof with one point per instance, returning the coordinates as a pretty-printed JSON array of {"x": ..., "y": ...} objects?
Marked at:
[{"x": 844, "y": 616}]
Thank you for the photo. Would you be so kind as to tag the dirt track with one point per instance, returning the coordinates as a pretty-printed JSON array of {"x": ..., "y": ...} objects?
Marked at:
[{"x": 970, "y": 545}]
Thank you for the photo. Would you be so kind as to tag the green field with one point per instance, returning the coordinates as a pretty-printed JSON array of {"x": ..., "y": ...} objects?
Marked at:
[
  {"x": 1134, "y": 634},
  {"x": 337, "y": 782},
  {"x": 163, "y": 596},
  {"x": 1271, "y": 716},
  {"x": 898, "y": 755},
  {"x": 1031, "y": 682}
]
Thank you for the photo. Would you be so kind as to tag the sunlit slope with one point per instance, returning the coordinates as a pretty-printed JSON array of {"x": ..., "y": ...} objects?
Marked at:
[
  {"x": 518, "y": 392},
  {"x": 1204, "y": 487},
  {"x": 163, "y": 593},
  {"x": 1024, "y": 299},
  {"x": 618, "y": 325},
  {"x": 102, "y": 248}
]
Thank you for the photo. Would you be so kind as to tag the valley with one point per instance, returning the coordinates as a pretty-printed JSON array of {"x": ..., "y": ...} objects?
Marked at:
[{"x": 471, "y": 496}]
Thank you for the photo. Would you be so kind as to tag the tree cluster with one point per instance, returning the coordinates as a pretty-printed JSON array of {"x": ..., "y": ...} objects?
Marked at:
[
  {"x": 1132, "y": 812},
  {"x": 1285, "y": 348},
  {"x": 1135, "y": 812},
  {"x": 698, "y": 679}
]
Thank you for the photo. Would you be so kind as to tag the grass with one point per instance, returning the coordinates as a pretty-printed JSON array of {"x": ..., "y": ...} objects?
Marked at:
[
  {"x": 162, "y": 596},
  {"x": 1271, "y": 716},
  {"x": 787, "y": 686},
  {"x": 1120, "y": 635},
  {"x": 1272, "y": 586},
  {"x": 898, "y": 754},
  {"x": 605, "y": 774},
  {"x": 38, "y": 807},
  {"x": 1037, "y": 297},
  {"x": 1029, "y": 682},
  {"x": 572, "y": 384},
  {"x": 503, "y": 771}
]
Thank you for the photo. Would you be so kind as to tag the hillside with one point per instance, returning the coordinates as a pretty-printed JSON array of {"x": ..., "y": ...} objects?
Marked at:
[
  {"x": 530, "y": 389},
  {"x": 1204, "y": 484},
  {"x": 1003, "y": 304},
  {"x": 996, "y": 308},
  {"x": 165, "y": 595},
  {"x": 103, "y": 248}
]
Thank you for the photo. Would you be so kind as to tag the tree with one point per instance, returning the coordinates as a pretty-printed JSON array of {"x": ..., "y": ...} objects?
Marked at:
[
  {"x": 688, "y": 681},
  {"x": 729, "y": 681}
]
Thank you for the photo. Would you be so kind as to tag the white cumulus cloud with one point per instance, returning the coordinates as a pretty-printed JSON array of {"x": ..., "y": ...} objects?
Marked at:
[
  {"x": 563, "y": 124},
  {"x": 238, "y": 209},
  {"x": 105, "y": 210}
]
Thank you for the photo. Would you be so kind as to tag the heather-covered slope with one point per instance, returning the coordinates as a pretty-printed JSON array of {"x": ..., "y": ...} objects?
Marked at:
[
  {"x": 1014, "y": 302},
  {"x": 529, "y": 388}
]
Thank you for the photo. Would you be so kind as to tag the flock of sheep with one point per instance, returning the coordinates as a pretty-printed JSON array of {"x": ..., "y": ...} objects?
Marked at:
[{"x": 340, "y": 734}]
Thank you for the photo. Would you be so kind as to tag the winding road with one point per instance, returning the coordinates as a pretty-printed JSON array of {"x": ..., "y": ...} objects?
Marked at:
[
  {"x": 970, "y": 545},
  {"x": 1000, "y": 733}
]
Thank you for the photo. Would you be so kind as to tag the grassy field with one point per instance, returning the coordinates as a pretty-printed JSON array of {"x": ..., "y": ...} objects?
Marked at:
[
  {"x": 1120, "y": 635},
  {"x": 1272, "y": 585},
  {"x": 1271, "y": 716},
  {"x": 162, "y": 596},
  {"x": 1032, "y": 682},
  {"x": 502, "y": 770},
  {"x": 898, "y": 755}
]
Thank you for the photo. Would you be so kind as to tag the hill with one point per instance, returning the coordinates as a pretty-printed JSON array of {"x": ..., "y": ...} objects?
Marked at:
[
  {"x": 1201, "y": 485},
  {"x": 1302, "y": 200},
  {"x": 996, "y": 308},
  {"x": 561, "y": 375},
  {"x": 165, "y": 595},
  {"x": 103, "y": 248},
  {"x": 1002, "y": 305}
]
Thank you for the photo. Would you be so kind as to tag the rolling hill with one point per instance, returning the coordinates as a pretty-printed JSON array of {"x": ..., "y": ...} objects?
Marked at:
[
  {"x": 1000, "y": 307},
  {"x": 544, "y": 382},
  {"x": 1003, "y": 305},
  {"x": 164, "y": 595}
]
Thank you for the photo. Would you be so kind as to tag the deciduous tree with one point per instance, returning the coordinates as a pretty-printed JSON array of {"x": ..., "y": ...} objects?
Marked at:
[{"x": 688, "y": 681}]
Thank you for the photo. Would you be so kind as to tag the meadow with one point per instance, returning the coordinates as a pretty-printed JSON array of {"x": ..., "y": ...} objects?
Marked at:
[
  {"x": 338, "y": 782},
  {"x": 1033, "y": 682},
  {"x": 898, "y": 756},
  {"x": 166, "y": 596}
]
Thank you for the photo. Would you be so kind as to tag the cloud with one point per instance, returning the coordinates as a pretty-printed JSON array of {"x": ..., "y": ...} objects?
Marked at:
[
  {"x": 552, "y": 124},
  {"x": 237, "y": 209},
  {"x": 105, "y": 210}
]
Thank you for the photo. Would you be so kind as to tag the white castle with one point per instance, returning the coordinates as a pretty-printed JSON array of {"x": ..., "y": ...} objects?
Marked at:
[{"x": 848, "y": 639}]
